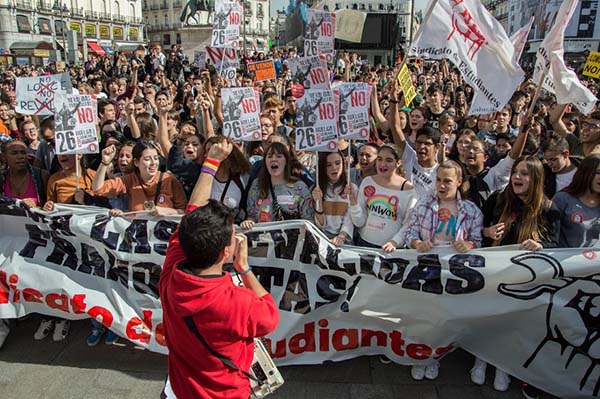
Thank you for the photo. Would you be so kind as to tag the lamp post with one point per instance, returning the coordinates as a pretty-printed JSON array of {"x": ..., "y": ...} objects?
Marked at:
[{"x": 60, "y": 8}]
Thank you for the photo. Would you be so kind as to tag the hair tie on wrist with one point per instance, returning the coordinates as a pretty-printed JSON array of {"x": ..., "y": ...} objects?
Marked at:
[
  {"x": 248, "y": 270},
  {"x": 209, "y": 169}
]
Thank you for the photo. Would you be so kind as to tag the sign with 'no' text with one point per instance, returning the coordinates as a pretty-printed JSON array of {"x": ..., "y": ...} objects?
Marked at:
[
  {"x": 76, "y": 118},
  {"x": 35, "y": 95}
]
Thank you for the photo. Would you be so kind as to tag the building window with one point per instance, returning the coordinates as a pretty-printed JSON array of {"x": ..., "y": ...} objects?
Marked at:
[
  {"x": 23, "y": 24},
  {"x": 44, "y": 26},
  {"x": 117, "y": 8},
  {"x": 167, "y": 39},
  {"x": 132, "y": 6}
]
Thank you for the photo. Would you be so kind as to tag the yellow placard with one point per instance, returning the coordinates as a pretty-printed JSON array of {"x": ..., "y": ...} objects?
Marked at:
[
  {"x": 592, "y": 65},
  {"x": 405, "y": 81}
]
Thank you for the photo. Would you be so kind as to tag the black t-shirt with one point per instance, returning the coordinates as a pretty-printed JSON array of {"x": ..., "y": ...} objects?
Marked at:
[{"x": 434, "y": 119}]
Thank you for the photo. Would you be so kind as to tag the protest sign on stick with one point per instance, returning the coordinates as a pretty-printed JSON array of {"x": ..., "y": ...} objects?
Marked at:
[
  {"x": 406, "y": 83},
  {"x": 317, "y": 121},
  {"x": 241, "y": 110},
  {"x": 592, "y": 65},
  {"x": 223, "y": 58},
  {"x": 226, "y": 24},
  {"x": 200, "y": 59},
  {"x": 310, "y": 72},
  {"x": 35, "y": 95},
  {"x": 319, "y": 34},
  {"x": 76, "y": 118},
  {"x": 354, "y": 101},
  {"x": 262, "y": 70}
]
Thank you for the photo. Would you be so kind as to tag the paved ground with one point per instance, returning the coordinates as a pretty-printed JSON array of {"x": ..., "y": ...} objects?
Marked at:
[{"x": 70, "y": 369}]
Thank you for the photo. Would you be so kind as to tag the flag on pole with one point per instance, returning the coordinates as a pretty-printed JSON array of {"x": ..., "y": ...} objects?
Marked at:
[
  {"x": 560, "y": 80},
  {"x": 519, "y": 38},
  {"x": 466, "y": 33}
]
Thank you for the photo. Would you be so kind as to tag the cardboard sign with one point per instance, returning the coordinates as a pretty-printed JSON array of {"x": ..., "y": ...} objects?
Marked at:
[
  {"x": 200, "y": 59},
  {"x": 592, "y": 65},
  {"x": 227, "y": 56},
  {"x": 310, "y": 72},
  {"x": 230, "y": 75},
  {"x": 35, "y": 95},
  {"x": 241, "y": 113},
  {"x": 76, "y": 118},
  {"x": 226, "y": 24},
  {"x": 354, "y": 100},
  {"x": 405, "y": 81},
  {"x": 262, "y": 70},
  {"x": 317, "y": 121},
  {"x": 319, "y": 32}
]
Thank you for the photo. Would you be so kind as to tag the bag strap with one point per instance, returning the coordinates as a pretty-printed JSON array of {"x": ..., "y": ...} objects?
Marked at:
[
  {"x": 277, "y": 211},
  {"x": 158, "y": 186},
  {"x": 227, "y": 361}
]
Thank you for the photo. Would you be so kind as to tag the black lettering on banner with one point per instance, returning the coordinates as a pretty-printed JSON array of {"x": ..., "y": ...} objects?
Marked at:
[
  {"x": 296, "y": 291},
  {"x": 256, "y": 247},
  {"x": 285, "y": 242},
  {"x": 426, "y": 275},
  {"x": 461, "y": 266},
  {"x": 269, "y": 276},
  {"x": 9, "y": 208},
  {"x": 62, "y": 249},
  {"x": 61, "y": 225},
  {"x": 98, "y": 229},
  {"x": 163, "y": 230},
  {"x": 37, "y": 238},
  {"x": 332, "y": 259},
  {"x": 366, "y": 264},
  {"x": 91, "y": 261},
  {"x": 136, "y": 235},
  {"x": 310, "y": 249},
  {"x": 392, "y": 270},
  {"x": 330, "y": 288}
]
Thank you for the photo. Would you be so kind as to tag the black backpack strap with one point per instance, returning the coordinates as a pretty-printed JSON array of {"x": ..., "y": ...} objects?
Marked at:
[{"x": 189, "y": 321}]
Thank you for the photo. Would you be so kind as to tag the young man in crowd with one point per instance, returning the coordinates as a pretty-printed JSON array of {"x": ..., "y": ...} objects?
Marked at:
[
  {"x": 199, "y": 299},
  {"x": 560, "y": 167}
]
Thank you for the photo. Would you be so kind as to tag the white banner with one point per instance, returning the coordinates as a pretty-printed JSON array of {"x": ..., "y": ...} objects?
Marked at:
[
  {"x": 228, "y": 56},
  {"x": 241, "y": 113},
  {"x": 519, "y": 39},
  {"x": 354, "y": 100},
  {"x": 560, "y": 80},
  {"x": 76, "y": 118},
  {"x": 227, "y": 19},
  {"x": 317, "y": 113},
  {"x": 534, "y": 315},
  {"x": 319, "y": 33},
  {"x": 467, "y": 34},
  {"x": 310, "y": 72},
  {"x": 35, "y": 95}
]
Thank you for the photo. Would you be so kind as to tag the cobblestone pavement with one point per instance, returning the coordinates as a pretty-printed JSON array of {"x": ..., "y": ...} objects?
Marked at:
[{"x": 70, "y": 369}]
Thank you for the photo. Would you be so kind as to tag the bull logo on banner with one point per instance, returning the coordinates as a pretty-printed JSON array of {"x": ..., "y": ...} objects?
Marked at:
[
  {"x": 573, "y": 314},
  {"x": 465, "y": 25}
]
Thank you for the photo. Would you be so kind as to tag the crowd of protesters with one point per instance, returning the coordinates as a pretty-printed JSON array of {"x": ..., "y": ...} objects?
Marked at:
[{"x": 446, "y": 178}]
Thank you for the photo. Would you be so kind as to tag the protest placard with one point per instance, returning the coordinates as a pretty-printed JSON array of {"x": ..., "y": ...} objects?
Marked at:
[
  {"x": 310, "y": 72},
  {"x": 226, "y": 24},
  {"x": 200, "y": 59},
  {"x": 241, "y": 109},
  {"x": 262, "y": 70},
  {"x": 406, "y": 83},
  {"x": 227, "y": 56},
  {"x": 592, "y": 65},
  {"x": 317, "y": 121},
  {"x": 319, "y": 33},
  {"x": 230, "y": 75},
  {"x": 353, "y": 110},
  {"x": 76, "y": 118},
  {"x": 35, "y": 95}
]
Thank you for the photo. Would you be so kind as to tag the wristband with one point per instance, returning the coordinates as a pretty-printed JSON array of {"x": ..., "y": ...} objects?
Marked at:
[
  {"x": 319, "y": 212},
  {"x": 394, "y": 101},
  {"x": 248, "y": 270},
  {"x": 210, "y": 171},
  {"x": 105, "y": 164},
  {"x": 211, "y": 161},
  {"x": 210, "y": 166}
]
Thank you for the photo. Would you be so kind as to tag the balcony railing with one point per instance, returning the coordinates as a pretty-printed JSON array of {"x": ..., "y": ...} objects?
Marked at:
[
  {"x": 78, "y": 13},
  {"x": 120, "y": 18},
  {"x": 24, "y": 5},
  {"x": 105, "y": 16}
]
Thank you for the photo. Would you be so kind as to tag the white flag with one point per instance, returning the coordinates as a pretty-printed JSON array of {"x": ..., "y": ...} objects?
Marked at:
[
  {"x": 560, "y": 80},
  {"x": 466, "y": 33},
  {"x": 519, "y": 38}
]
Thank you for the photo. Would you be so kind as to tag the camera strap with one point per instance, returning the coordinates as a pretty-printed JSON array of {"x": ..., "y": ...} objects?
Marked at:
[{"x": 189, "y": 321}]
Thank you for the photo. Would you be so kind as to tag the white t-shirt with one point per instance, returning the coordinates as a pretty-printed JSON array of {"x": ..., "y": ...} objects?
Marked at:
[
  {"x": 423, "y": 179},
  {"x": 564, "y": 179},
  {"x": 233, "y": 195}
]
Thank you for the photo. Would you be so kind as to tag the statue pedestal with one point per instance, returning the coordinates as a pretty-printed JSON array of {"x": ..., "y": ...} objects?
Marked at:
[{"x": 195, "y": 38}]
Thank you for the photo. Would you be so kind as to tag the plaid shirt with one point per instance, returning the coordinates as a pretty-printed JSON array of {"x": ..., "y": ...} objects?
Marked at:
[{"x": 424, "y": 221}]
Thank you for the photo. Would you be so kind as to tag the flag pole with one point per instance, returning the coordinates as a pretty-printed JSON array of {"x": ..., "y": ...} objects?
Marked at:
[{"x": 537, "y": 93}]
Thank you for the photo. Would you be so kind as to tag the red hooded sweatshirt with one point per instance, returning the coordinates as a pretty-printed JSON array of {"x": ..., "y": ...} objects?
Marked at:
[{"x": 227, "y": 316}]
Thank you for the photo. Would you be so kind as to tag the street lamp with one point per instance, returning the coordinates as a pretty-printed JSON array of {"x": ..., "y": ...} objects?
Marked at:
[{"x": 59, "y": 7}]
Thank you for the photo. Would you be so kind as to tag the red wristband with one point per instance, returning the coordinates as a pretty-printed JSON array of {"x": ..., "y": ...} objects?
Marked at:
[{"x": 213, "y": 162}]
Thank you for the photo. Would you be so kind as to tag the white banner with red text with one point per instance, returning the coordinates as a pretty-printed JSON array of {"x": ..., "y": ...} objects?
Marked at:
[{"x": 531, "y": 314}]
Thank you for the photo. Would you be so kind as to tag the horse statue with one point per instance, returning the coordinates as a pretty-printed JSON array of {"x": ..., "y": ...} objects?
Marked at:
[{"x": 192, "y": 7}]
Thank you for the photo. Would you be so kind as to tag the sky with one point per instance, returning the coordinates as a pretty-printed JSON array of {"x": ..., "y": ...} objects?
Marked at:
[{"x": 279, "y": 4}]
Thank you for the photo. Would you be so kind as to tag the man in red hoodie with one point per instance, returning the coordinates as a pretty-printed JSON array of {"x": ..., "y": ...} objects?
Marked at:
[{"x": 192, "y": 283}]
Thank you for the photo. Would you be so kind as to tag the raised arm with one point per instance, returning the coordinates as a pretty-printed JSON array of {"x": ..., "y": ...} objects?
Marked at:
[
  {"x": 163, "y": 130},
  {"x": 556, "y": 120},
  {"x": 108, "y": 154},
  {"x": 396, "y": 129},
  {"x": 218, "y": 153},
  {"x": 131, "y": 122},
  {"x": 519, "y": 145}
]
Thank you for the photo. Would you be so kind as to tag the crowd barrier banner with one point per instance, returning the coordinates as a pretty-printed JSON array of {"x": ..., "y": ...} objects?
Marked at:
[{"x": 534, "y": 315}]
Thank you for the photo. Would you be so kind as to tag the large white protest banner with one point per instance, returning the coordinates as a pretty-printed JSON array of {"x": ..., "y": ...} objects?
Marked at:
[
  {"x": 550, "y": 63},
  {"x": 310, "y": 72},
  {"x": 519, "y": 38},
  {"x": 317, "y": 115},
  {"x": 354, "y": 99},
  {"x": 467, "y": 34},
  {"x": 226, "y": 24},
  {"x": 35, "y": 95},
  {"x": 76, "y": 118},
  {"x": 319, "y": 34},
  {"x": 241, "y": 113},
  {"x": 533, "y": 314},
  {"x": 226, "y": 56}
]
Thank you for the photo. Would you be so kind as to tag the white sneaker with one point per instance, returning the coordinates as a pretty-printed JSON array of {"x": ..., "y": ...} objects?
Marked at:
[
  {"x": 478, "y": 372},
  {"x": 432, "y": 371},
  {"x": 43, "y": 330},
  {"x": 417, "y": 373},
  {"x": 4, "y": 330},
  {"x": 501, "y": 380},
  {"x": 61, "y": 330}
]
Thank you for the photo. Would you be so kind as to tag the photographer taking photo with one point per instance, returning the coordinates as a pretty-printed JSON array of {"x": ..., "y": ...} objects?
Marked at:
[{"x": 200, "y": 300}]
